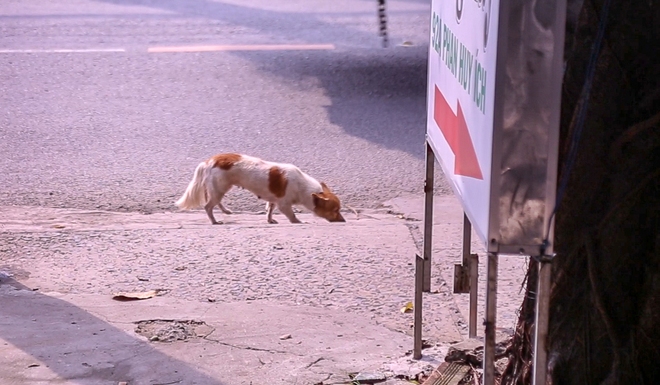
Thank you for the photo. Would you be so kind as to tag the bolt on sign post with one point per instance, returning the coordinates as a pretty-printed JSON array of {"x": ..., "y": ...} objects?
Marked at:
[{"x": 494, "y": 87}]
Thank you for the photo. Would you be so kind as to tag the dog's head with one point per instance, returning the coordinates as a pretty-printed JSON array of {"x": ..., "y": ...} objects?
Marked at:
[{"x": 326, "y": 205}]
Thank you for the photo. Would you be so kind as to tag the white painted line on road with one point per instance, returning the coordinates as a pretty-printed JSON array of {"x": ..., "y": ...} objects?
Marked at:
[
  {"x": 88, "y": 50},
  {"x": 252, "y": 47}
]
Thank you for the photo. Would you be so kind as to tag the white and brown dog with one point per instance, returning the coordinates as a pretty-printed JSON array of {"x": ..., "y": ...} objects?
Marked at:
[{"x": 279, "y": 184}]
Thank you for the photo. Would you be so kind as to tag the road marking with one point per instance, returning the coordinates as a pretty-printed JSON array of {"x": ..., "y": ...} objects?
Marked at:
[
  {"x": 254, "y": 47},
  {"x": 188, "y": 48},
  {"x": 89, "y": 50}
]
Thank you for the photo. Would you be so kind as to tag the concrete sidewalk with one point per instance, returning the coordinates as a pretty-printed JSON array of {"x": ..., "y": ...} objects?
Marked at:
[
  {"x": 336, "y": 289},
  {"x": 91, "y": 339}
]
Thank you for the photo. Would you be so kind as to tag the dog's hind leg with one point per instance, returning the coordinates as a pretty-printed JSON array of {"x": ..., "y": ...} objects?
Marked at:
[
  {"x": 224, "y": 209},
  {"x": 269, "y": 208},
  {"x": 209, "y": 210},
  {"x": 288, "y": 211},
  {"x": 216, "y": 190}
]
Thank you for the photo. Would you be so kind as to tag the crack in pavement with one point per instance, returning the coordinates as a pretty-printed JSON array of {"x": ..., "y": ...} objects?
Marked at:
[
  {"x": 316, "y": 361},
  {"x": 272, "y": 351},
  {"x": 322, "y": 382},
  {"x": 168, "y": 383}
]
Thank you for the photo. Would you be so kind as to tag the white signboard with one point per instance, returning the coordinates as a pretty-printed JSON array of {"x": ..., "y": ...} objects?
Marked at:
[
  {"x": 494, "y": 83},
  {"x": 461, "y": 89}
]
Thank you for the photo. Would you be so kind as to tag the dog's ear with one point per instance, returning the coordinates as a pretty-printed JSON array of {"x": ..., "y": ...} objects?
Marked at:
[
  {"x": 325, "y": 187},
  {"x": 318, "y": 199}
]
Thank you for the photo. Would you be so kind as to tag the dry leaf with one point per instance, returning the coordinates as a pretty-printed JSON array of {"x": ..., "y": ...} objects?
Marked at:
[
  {"x": 136, "y": 295},
  {"x": 285, "y": 337},
  {"x": 407, "y": 308},
  {"x": 58, "y": 226}
]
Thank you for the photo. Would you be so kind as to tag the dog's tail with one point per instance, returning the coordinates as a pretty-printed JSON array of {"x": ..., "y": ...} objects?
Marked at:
[{"x": 195, "y": 195}]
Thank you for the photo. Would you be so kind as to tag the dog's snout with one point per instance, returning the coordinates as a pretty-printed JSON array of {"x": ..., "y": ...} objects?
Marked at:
[{"x": 339, "y": 218}]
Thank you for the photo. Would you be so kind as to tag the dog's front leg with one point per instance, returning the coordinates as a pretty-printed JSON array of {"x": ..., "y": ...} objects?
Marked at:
[
  {"x": 269, "y": 208},
  {"x": 288, "y": 211}
]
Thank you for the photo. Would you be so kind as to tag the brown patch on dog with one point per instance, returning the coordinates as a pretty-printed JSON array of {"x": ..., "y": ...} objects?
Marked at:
[
  {"x": 327, "y": 205},
  {"x": 225, "y": 161},
  {"x": 277, "y": 182}
]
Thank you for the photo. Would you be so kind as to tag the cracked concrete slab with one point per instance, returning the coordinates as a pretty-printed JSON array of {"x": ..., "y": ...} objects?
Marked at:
[
  {"x": 91, "y": 339},
  {"x": 364, "y": 265},
  {"x": 337, "y": 289}
]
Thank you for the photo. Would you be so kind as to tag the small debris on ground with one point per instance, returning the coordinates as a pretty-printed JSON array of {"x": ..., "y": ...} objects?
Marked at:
[
  {"x": 407, "y": 308},
  {"x": 450, "y": 373},
  {"x": 469, "y": 353},
  {"x": 369, "y": 378},
  {"x": 285, "y": 337},
  {"x": 133, "y": 296}
]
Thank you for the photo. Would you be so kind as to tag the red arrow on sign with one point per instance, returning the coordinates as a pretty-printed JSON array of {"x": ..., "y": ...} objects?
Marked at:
[{"x": 455, "y": 130}]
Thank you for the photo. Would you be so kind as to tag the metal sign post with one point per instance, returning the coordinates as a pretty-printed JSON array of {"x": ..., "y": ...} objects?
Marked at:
[
  {"x": 417, "y": 307},
  {"x": 472, "y": 261},
  {"x": 541, "y": 323},
  {"x": 491, "y": 315},
  {"x": 423, "y": 263},
  {"x": 466, "y": 276},
  {"x": 428, "y": 217}
]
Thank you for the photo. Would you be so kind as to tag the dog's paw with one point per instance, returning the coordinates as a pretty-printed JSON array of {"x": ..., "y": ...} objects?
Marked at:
[
  {"x": 217, "y": 223},
  {"x": 227, "y": 211},
  {"x": 272, "y": 221}
]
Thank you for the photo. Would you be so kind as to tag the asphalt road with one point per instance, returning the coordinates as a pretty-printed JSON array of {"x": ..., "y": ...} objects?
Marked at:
[{"x": 91, "y": 119}]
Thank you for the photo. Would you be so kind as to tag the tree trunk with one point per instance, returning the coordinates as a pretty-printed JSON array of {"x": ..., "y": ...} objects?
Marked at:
[{"x": 605, "y": 301}]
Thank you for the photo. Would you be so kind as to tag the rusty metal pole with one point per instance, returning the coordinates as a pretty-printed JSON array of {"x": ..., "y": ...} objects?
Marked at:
[
  {"x": 491, "y": 315},
  {"x": 471, "y": 262},
  {"x": 428, "y": 216},
  {"x": 423, "y": 263},
  {"x": 417, "y": 325},
  {"x": 541, "y": 323},
  {"x": 474, "y": 295},
  {"x": 467, "y": 239}
]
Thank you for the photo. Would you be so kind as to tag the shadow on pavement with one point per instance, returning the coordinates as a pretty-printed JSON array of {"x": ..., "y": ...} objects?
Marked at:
[
  {"x": 66, "y": 342},
  {"x": 377, "y": 94}
]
